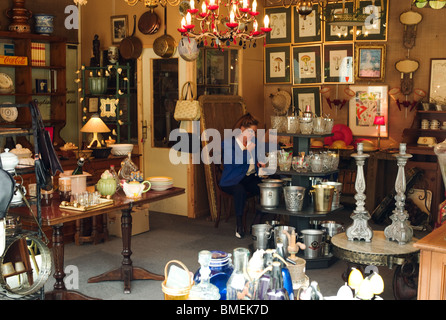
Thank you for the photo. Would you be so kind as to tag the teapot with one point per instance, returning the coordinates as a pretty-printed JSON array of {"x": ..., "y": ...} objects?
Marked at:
[
  {"x": 9, "y": 160},
  {"x": 134, "y": 189}
]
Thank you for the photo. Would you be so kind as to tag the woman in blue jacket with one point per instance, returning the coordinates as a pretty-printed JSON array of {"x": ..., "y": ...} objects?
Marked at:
[{"x": 240, "y": 167}]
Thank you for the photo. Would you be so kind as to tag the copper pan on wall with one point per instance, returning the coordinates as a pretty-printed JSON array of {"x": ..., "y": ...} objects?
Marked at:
[
  {"x": 165, "y": 46},
  {"x": 149, "y": 22},
  {"x": 131, "y": 47}
]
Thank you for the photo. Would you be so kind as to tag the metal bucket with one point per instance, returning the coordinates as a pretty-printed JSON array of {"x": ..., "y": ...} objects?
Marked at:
[
  {"x": 313, "y": 243},
  {"x": 337, "y": 194},
  {"x": 261, "y": 233},
  {"x": 269, "y": 195},
  {"x": 332, "y": 228},
  {"x": 322, "y": 197},
  {"x": 280, "y": 236},
  {"x": 294, "y": 198}
]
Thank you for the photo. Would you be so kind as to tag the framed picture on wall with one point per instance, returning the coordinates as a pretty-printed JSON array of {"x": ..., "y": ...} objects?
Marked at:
[
  {"x": 217, "y": 67},
  {"x": 119, "y": 28},
  {"x": 307, "y": 28},
  {"x": 303, "y": 96},
  {"x": 370, "y": 62},
  {"x": 375, "y": 28},
  {"x": 368, "y": 102},
  {"x": 277, "y": 64},
  {"x": 307, "y": 65},
  {"x": 280, "y": 22},
  {"x": 335, "y": 32},
  {"x": 437, "y": 85},
  {"x": 338, "y": 63}
]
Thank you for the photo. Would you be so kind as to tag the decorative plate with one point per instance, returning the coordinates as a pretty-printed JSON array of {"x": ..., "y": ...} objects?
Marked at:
[
  {"x": 188, "y": 49},
  {"x": 6, "y": 83},
  {"x": 9, "y": 114}
]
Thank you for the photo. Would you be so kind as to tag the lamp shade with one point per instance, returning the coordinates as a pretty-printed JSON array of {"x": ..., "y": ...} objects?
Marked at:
[
  {"x": 379, "y": 120},
  {"x": 95, "y": 124}
]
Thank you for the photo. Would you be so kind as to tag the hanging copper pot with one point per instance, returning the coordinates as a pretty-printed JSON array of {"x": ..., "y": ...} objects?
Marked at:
[
  {"x": 149, "y": 22},
  {"x": 165, "y": 46},
  {"x": 131, "y": 47},
  {"x": 20, "y": 16}
]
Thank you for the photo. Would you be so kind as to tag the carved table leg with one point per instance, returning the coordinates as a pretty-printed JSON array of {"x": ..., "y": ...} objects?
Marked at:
[
  {"x": 60, "y": 292},
  {"x": 127, "y": 272}
]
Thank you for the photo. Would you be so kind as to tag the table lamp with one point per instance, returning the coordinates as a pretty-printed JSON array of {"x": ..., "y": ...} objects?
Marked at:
[
  {"x": 95, "y": 125},
  {"x": 379, "y": 121}
]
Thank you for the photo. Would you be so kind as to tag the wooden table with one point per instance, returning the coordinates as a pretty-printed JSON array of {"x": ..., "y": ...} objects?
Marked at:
[{"x": 55, "y": 217}]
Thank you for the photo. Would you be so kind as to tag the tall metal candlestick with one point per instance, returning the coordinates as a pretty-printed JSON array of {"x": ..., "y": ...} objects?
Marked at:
[
  {"x": 360, "y": 229},
  {"x": 400, "y": 229}
]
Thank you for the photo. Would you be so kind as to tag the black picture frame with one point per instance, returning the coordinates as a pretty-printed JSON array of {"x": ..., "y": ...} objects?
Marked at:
[
  {"x": 307, "y": 64},
  {"x": 307, "y": 29},
  {"x": 335, "y": 32},
  {"x": 280, "y": 22},
  {"x": 375, "y": 28},
  {"x": 339, "y": 63},
  {"x": 277, "y": 64},
  {"x": 303, "y": 96}
]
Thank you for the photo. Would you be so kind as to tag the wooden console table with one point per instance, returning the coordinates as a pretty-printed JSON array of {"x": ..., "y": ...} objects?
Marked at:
[{"x": 55, "y": 217}]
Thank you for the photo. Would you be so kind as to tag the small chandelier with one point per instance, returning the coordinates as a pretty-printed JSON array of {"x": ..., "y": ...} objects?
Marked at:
[{"x": 221, "y": 29}]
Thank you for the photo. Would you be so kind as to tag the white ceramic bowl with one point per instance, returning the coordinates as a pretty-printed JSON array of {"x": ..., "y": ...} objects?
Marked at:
[{"x": 121, "y": 149}]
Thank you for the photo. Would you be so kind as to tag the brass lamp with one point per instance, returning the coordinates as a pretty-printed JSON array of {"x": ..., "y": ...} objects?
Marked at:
[
  {"x": 379, "y": 121},
  {"x": 95, "y": 125}
]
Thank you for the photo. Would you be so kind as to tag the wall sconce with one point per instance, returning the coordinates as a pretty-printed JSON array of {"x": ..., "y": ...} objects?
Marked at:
[
  {"x": 379, "y": 121},
  {"x": 337, "y": 103},
  {"x": 402, "y": 101}
]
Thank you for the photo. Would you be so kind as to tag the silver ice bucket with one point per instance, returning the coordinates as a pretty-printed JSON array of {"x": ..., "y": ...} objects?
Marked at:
[{"x": 294, "y": 198}]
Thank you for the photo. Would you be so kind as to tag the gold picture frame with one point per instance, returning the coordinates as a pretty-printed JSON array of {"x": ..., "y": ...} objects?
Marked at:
[
  {"x": 370, "y": 62},
  {"x": 119, "y": 28}
]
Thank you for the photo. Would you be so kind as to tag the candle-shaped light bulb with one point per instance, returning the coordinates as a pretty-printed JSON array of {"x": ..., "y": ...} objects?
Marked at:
[
  {"x": 203, "y": 7},
  {"x": 266, "y": 22},
  {"x": 402, "y": 148},
  {"x": 183, "y": 22},
  {"x": 188, "y": 19},
  {"x": 212, "y": 2},
  {"x": 245, "y": 3},
  {"x": 255, "y": 25},
  {"x": 254, "y": 6},
  {"x": 232, "y": 17},
  {"x": 192, "y": 4}
]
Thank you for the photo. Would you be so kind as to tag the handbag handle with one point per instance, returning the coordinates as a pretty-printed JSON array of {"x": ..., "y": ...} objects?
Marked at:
[{"x": 190, "y": 87}]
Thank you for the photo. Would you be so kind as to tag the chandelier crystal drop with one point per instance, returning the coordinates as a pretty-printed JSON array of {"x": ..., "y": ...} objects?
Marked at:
[{"x": 239, "y": 26}]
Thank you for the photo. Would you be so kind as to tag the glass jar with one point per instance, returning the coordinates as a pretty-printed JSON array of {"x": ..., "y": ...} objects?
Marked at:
[
  {"x": 204, "y": 290},
  {"x": 306, "y": 125},
  {"x": 318, "y": 125},
  {"x": 239, "y": 282},
  {"x": 221, "y": 269},
  {"x": 329, "y": 123},
  {"x": 316, "y": 163}
]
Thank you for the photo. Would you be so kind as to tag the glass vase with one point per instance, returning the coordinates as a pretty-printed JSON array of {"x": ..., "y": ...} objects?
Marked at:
[{"x": 238, "y": 286}]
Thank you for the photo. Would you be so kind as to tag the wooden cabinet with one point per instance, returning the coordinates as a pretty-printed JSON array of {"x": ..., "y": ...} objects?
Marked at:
[
  {"x": 45, "y": 82},
  {"x": 432, "y": 274}
]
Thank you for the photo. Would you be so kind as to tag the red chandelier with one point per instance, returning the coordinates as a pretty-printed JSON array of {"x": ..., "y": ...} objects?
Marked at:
[{"x": 234, "y": 28}]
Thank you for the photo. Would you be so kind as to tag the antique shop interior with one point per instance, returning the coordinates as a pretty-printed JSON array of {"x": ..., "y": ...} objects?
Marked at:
[{"x": 113, "y": 114}]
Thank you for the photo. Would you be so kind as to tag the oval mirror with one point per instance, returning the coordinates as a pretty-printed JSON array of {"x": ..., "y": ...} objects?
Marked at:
[{"x": 25, "y": 265}]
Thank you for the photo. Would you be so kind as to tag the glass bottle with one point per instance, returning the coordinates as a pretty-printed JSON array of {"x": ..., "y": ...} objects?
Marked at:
[
  {"x": 204, "y": 290},
  {"x": 221, "y": 269},
  {"x": 239, "y": 282},
  {"x": 115, "y": 176},
  {"x": 276, "y": 290},
  {"x": 78, "y": 170},
  {"x": 127, "y": 167}
]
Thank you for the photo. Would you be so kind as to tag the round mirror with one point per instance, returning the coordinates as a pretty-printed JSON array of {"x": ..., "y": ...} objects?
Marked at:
[{"x": 25, "y": 265}]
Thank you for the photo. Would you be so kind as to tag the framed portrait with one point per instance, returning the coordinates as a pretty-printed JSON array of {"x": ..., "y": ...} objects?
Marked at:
[
  {"x": 93, "y": 104},
  {"x": 338, "y": 63},
  {"x": 307, "y": 65},
  {"x": 370, "y": 62},
  {"x": 368, "y": 102},
  {"x": 277, "y": 64},
  {"x": 437, "y": 84},
  {"x": 119, "y": 28},
  {"x": 304, "y": 96},
  {"x": 216, "y": 67},
  {"x": 335, "y": 32},
  {"x": 375, "y": 27},
  {"x": 307, "y": 28},
  {"x": 280, "y": 22}
]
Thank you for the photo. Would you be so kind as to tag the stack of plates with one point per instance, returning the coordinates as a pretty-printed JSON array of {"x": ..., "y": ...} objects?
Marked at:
[{"x": 161, "y": 183}]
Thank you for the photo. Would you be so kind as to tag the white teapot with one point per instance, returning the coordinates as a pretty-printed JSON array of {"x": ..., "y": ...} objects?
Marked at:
[
  {"x": 134, "y": 189},
  {"x": 9, "y": 160}
]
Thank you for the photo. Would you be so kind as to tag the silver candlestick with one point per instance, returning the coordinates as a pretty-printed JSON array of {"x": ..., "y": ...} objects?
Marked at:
[
  {"x": 360, "y": 230},
  {"x": 400, "y": 229}
]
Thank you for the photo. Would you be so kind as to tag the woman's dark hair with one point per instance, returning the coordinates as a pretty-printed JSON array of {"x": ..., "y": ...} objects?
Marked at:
[{"x": 245, "y": 121}]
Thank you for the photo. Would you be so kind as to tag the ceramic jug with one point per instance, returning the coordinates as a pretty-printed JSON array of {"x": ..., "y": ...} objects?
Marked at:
[
  {"x": 17, "y": 198},
  {"x": 20, "y": 16},
  {"x": 134, "y": 189}
]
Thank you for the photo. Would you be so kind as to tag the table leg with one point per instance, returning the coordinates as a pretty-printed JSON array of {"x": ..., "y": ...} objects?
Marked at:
[
  {"x": 60, "y": 292},
  {"x": 126, "y": 272}
]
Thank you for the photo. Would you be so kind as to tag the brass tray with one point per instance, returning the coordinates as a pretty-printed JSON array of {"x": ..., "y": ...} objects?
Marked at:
[{"x": 102, "y": 203}]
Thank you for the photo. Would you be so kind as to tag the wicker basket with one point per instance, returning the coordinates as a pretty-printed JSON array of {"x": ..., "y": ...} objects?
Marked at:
[{"x": 176, "y": 293}]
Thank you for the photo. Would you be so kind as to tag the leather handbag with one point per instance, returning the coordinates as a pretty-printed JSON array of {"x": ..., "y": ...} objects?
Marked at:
[{"x": 187, "y": 109}]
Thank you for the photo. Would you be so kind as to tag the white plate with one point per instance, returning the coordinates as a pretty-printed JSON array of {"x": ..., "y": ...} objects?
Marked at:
[
  {"x": 6, "y": 84},
  {"x": 9, "y": 114}
]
